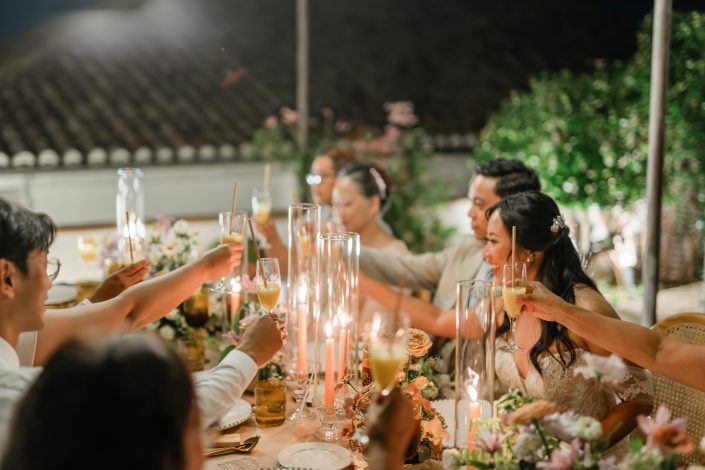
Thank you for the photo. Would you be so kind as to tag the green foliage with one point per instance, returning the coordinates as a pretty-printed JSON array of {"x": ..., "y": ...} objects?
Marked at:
[{"x": 587, "y": 135}]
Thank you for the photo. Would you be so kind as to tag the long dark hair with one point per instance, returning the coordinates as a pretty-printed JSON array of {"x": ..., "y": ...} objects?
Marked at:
[
  {"x": 115, "y": 404},
  {"x": 540, "y": 227}
]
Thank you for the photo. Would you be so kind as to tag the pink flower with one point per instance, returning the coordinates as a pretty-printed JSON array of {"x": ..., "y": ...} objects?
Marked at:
[
  {"x": 271, "y": 122},
  {"x": 401, "y": 113},
  {"x": 491, "y": 442},
  {"x": 289, "y": 116},
  {"x": 234, "y": 340},
  {"x": 162, "y": 224},
  {"x": 342, "y": 127},
  {"x": 664, "y": 435},
  {"x": 562, "y": 459}
]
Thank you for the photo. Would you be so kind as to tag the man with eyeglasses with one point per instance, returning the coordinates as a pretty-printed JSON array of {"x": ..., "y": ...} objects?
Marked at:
[{"x": 26, "y": 276}]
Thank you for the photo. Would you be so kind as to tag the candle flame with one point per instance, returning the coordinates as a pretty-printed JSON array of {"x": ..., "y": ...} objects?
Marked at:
[
  {"x": 472, "y": 393},
  {"x": 376, "y": 325},
  {"x": 329, "y": 329},
  {"x": 473, "y": 382},
  {"x": 302, "y": 293}
]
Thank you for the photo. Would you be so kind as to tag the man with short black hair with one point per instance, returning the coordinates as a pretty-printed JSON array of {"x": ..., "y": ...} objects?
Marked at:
[
  {"x": 462, "y": 259},
  {"x": 26, "y": 276}
]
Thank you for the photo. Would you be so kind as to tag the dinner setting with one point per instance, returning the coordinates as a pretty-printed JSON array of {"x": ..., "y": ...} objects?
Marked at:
[{"x": 304, "y": 235}]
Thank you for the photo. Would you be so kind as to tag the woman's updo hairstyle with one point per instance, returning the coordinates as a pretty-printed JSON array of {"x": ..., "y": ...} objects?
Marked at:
[{"x": 372, "y": 181}]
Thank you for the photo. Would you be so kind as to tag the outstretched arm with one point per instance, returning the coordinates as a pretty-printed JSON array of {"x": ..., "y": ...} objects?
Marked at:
[
  {"x": 682, "y": 362},
  {"x": 136, "y": 307}
]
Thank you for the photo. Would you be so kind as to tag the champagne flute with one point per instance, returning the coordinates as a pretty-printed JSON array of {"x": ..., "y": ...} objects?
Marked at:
[
  {"x": 232, "y": 230},
  {"x": 514, "y": 283},
  {"x": 387, "y": 336},
  {"x": 261, "y": 205},
  {"x": 268, "y": 283}
]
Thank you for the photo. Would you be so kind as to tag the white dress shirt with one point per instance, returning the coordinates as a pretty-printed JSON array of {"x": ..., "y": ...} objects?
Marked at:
[{"x": 216, "y": 389}]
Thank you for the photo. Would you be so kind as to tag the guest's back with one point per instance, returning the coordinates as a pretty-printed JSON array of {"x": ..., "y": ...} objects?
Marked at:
[{"x": 123, "y": 403}]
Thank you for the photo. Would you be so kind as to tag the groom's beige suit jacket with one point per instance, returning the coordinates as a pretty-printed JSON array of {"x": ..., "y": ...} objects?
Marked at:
[{"x": 438, "y": 271}]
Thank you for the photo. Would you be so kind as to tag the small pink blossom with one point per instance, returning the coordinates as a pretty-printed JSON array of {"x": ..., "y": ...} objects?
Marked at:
[
  {"x": 401, "y": 113},
  {"x": 271, "y": 122},
  {"x": 342, "y": 127},
  {"x": 289, "y": 116},
  {"x": 562, "y": 459},
  {"x": 664, "y": 435},
  {"x": 162, "y": 224},
  {"x": 491, "y": 442}
]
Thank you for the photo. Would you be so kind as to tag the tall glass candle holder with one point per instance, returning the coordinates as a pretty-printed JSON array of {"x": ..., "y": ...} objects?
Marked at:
[
  {"x": 302, "y": 282},
  {"x": 474, "y": 357},
  {"x": 354, "y": 345},
  {"x": 334, "y": 321},
  {"x": 129, "y": 210}
]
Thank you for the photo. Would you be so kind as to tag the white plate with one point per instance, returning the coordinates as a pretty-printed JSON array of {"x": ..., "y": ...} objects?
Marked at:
[
  {"x": 238, "y": 414},
  {"x": 60, "y": 294},
  {"x": 315, "y": 455}
]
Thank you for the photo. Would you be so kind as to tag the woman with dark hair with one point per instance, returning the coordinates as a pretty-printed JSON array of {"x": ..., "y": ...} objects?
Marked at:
[
  {"x": 122, "y": 403},
  {"x": 544, "y": 366},
  {"x": 361, "y": 195}
]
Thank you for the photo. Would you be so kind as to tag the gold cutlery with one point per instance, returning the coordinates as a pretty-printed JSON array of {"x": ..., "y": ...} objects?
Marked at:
[{"x": 244, "y": 447}]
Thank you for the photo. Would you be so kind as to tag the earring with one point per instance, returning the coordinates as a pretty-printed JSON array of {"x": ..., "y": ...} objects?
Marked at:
[{"x": 530, "y": 258}]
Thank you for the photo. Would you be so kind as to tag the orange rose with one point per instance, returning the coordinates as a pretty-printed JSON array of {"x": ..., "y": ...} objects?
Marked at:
[
  {"x": 534, "y": 410},
  {"x": 418, "y": 343}
]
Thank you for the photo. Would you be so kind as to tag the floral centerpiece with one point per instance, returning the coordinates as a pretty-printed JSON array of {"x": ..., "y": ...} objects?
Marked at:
[
  {"x": 531, "y": 434},
  {"x": 171, "y": 244},
  {"x": 419, "y": 382}
]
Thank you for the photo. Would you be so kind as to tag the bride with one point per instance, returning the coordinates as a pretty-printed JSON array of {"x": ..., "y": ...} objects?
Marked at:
[
  {"x": 544, "y": 368},
  {"x": 549, "y": 353}
]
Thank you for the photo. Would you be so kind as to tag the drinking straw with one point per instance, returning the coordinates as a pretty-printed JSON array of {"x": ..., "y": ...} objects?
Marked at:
[
  {"x": 254, "y": 241},
  {"x": 400, "y": 294},
  {"x": 129, "y": 237},
  {"x": 514, "y": 247},
  {"x": 232, "y": 210}
]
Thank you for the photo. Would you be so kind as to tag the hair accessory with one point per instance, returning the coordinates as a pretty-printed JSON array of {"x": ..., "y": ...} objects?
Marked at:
[
  {"x": 379, "y": 181},
  {"x": 558, "y": 224}
]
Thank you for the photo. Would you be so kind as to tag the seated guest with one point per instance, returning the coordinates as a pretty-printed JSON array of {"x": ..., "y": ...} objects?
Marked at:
[
  {"x": 321, "y": 179},
  {"x": 462, "y": 260},
  {"x": 31, "y": 345},
  {"x": 25, "y": 278},
  {"x": 681, "y": 362},
  {"x": 127, "y": 402},
  {"x": 361, "y": 195}
]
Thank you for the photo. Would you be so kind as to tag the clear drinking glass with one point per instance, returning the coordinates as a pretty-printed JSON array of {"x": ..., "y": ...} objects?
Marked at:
[
  {"x": 261, "y": 206},
  {"x": 232, "y": 230},
  {"x": 268, "y": 283},
  {"x": 513, "y": 284}
]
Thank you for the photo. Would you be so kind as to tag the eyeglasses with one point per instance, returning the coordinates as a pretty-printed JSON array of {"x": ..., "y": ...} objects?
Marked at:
[
  {"x": 53, "y": 267},
  {"x": 313, "y": 179}
]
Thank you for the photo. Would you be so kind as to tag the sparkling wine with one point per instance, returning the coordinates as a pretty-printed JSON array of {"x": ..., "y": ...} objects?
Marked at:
[
  {"x": 386, "y": 363},
  {"x": 230, "y": 238},
  {"x": 268, "y": 296},
  {"x": 512, "y": 308}
]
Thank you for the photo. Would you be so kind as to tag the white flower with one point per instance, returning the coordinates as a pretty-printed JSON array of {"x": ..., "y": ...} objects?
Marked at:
[
  {"x": 526, "y": 445},
  {"x": 180, "y": 226},
  {"x": 645, "y": 458},
  {"x": 167, "y": 332},
  {"x": 612, "y": 369},
  {"x": 587, "y": 428},
  {"x": 174, "y": 315}
]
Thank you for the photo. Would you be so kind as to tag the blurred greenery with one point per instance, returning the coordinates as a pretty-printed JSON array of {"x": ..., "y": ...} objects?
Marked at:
[{"x": 587, "y": 135}]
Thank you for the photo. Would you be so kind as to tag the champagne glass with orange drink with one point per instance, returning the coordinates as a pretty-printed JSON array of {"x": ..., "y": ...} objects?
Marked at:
[
  {"x": 268, "y": 283},
  {"x": 513, "y": 285}
]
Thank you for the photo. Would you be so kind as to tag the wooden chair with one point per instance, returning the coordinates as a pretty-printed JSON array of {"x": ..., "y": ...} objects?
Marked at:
[{"x": 681, "y": 399}]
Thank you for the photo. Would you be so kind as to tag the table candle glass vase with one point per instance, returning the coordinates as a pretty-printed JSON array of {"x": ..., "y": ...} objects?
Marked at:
[
  {"x": 474, "y": 357},
  {"x": 129, "y": 208}
]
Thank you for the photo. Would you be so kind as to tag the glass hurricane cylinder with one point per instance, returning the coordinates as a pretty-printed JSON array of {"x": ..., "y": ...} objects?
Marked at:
[
  {"x": 302, "y": 281},
  {"x": 474, "y": 357},
  {"x": 129, "y": 208},
  {"x": 334, "y": 321},
  {"x": 355, "y": 348}
]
